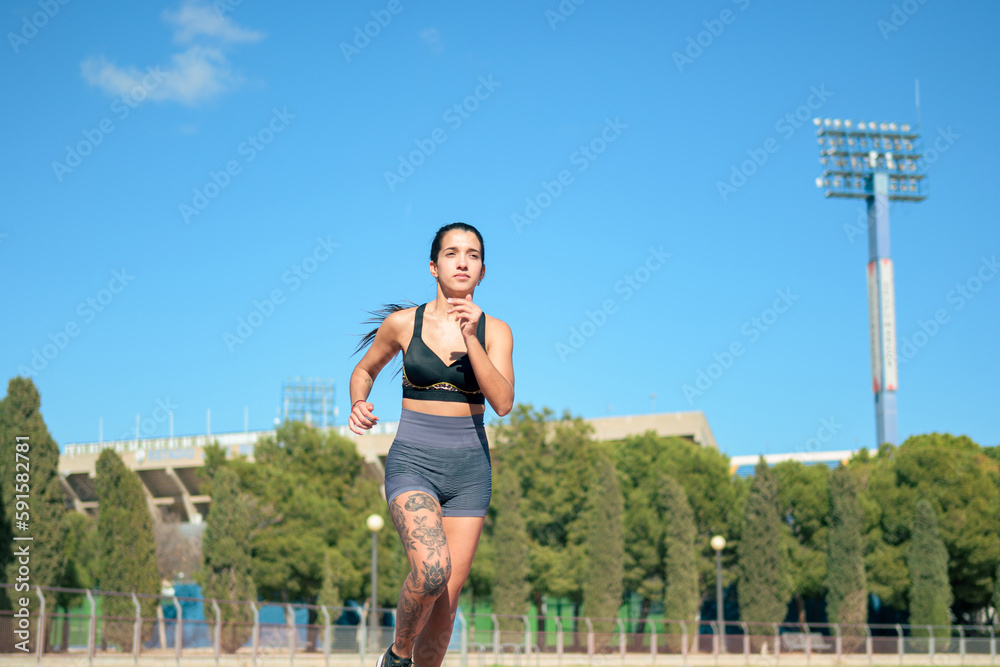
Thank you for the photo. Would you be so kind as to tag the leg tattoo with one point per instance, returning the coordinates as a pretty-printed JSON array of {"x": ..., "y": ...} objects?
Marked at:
[
  {"x": 421, "y": 501},
  {"x": 419, "y": 524},
  {"x": 434, "y": 579},
  {"x": 408, "y": 613},
  {"x": 431, "y": 536},
  {"x": 399, "y": 520}
]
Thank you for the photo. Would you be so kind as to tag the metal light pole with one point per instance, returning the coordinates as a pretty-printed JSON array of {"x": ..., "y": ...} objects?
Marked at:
[
  {"x": 719, "y": 543},
  {"x": 879, "y": 163},
  {"x": 375, "y": 524}
]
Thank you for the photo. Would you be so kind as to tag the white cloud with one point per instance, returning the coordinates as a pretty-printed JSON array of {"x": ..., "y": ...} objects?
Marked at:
[
  {"x": 432, "y": 38},
  {"x": 194, "y": 19},
  {"x": 199, "y": 73}
]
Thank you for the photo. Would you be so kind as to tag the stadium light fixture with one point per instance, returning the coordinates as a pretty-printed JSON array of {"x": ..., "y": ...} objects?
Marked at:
[{"x": 880, "y": 163}]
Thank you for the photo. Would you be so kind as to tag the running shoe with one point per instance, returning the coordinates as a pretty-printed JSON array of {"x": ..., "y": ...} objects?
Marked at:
[{"x": 390, "y": 659}]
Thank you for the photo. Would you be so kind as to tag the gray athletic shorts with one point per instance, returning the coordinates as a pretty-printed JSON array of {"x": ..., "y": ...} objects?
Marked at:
[{"x": 447, "y": 457}]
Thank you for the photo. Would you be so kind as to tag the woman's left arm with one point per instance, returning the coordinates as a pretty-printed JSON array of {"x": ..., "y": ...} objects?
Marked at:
[{"x": 494, "y": 368}]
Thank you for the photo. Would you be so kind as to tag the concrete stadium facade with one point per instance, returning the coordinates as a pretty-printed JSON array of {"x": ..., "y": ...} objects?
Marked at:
[{"x": 169, "y": 467}]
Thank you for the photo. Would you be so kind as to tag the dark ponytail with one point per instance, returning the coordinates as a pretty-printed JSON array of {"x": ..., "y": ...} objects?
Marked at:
[{"x": 377, "y": 317}]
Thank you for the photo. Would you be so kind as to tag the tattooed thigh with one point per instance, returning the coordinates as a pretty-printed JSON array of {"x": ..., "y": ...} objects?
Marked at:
[
  {"x": 421, "y": 501},
  {"x": 417, "y": 517}
]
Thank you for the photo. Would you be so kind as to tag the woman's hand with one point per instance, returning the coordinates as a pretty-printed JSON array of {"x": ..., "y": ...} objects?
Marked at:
[
  {"x": 361, "y": 417},
  {"x": 468, "y": 315}
]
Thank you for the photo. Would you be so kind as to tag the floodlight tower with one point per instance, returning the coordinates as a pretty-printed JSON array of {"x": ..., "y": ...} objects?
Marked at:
[
  {"x": 310, "y": 400},
  {"x": 877, "y": 162}
]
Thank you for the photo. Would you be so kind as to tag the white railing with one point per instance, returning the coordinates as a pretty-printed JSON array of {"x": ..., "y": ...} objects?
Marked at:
[
  {"x": 144, "y": 627},
  {"x": 240, "y": 439}
]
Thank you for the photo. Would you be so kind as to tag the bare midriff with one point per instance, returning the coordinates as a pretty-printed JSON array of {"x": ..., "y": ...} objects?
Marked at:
[{"x": 443, "y": 408}]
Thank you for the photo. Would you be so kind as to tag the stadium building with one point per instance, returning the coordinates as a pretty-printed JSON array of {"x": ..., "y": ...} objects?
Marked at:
[{"x": 169, "y": 467}]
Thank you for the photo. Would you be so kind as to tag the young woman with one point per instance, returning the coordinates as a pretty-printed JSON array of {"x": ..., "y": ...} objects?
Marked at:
[{"x": 438, "y": 478}]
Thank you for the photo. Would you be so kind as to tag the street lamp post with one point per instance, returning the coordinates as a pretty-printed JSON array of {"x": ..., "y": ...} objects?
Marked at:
[
  {"x": 375, "y": 524},
  {"x": 719, "y": 543}
]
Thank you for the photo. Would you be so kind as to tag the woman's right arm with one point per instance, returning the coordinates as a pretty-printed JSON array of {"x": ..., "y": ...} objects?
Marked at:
[{"x": 382, "y": 350}]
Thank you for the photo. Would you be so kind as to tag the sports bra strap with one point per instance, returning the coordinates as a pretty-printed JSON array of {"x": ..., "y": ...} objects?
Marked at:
[{"x": 418, "y": 320}]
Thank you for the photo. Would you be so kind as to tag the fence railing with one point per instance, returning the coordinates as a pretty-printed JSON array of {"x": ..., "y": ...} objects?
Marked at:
[{"x": 132, "y": 626}]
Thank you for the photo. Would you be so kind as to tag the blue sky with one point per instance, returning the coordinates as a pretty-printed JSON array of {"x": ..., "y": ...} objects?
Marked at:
[{"x": 173, "y": 168}]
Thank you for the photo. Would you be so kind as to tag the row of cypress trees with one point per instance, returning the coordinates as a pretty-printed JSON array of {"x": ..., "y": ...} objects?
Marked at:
[
  {"x": 566, "y": 488},
  {"x": 20, "y": 417},
  {"x": 763, "y": 586},
  {"x": 68, "y": 549},
  {"x": 117, "y": 553},
  {"x": 575, "y": 532},
  {"x": 556, "y": 526}
]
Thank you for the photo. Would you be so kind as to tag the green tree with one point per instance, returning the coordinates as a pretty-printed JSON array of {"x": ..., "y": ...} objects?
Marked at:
[
  {"x": 227, "y": 547},
  {"x": 29, "y": 467},
  {"x": 645, "y": 550},
  {"x": 883, "y": 533},
  {"x": 963, "y": 483},
  {"x": 81, "y": 549},
  {"x": 961, "y": 480},
  {"x": 996, "y": 597},
  {"x": 930, "y": 590},
  {"x": 329, "y": 592},
  {"x": 126, "y": 557},
  {"x": 510, "y": 541},
  {"x": 763, "y": 580},
  {"x": 553, "y": 460},
  {"x": 847, "y": 597},
  {"x": 683, "y": 598},
  {"x": 604, "y": 551},
  {"x": 314, "y": 492},
  {"x": 804, "y": 505},
  {"x": 81, "y": 564},
  {"x": 715, "y": 497}
]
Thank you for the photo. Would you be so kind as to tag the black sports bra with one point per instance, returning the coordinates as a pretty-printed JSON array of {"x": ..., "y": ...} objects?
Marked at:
[{"x": 427, "y": 378}]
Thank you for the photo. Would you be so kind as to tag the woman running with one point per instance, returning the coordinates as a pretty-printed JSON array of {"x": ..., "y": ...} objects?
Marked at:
[{"x": 438, "y": 479}]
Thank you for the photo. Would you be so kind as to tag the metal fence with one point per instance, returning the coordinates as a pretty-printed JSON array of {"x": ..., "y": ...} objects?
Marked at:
[
  {"x": 111, "y": 627},
  {"x": 606, "y": 641}
]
